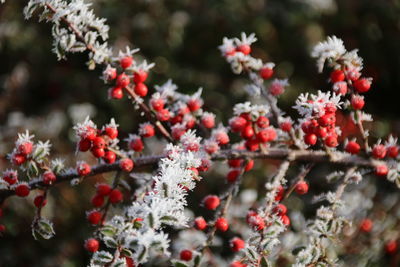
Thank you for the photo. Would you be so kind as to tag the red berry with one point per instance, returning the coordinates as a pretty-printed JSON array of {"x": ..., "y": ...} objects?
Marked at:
[
  {"x": 301, "y": 188},
  {"x": 157, "y": 104},
  {"x": 109, "y": 157},
  {"x": 126, "y": 62},
  {"x": 255, "y": 221},
  {"x": 337, "y": 76},
  {"x": 310, "y": 139},
  {"x": 49, "y": 177},
  {"x": 232, "y": 175},
  {"x": 22, "y": 190},
  {"x": 126, "y": 164},
  {"x": 208, "y": 122},
  {"x": 194, "y": 104},
  {"x": 331, "y": 141},
  {"x": 211, "y": 202},
  {"x": 25, "y": 148},
  {"x": 340, "y": 88},
  {"x": 366, "y": 225},
  {"x": 249, "y": 165},
  {"x": 362, "y": 85},
  {"x": 391, "y": 247},
  {"x": 222, "y": 138},
  {"x": 99, "y": 142},
  {"x": 286, "y": 126},
  {"x": 244, "y": 48},
  {"x": 140, "y": 76},
  {"x": 111, "y": 132},
  {"x": 237, "y": 124},
  {"x": 200, "y": 223},
  {"x": 352, "y": 147},
  {"x": 116, "y": 92},
  {"x": 280, "y": 209},
  {"x": 321, "y": 132},
  {"x": 381, "y": 170},
  {"x": 262, "y": 122},
  {"x": 379, "y": 151},
  {"x": 247, "y": 132},
  {"x": 40, "y": 201},
  {"x": 98, "y": 152},
  {"x": 285, "y": 220},
  {"x": 237, "y": 264},
  {"x": 237, "y": 244},
  {"x": 136, "y": 144},
  {"x": 186, "y": 255},
  {"x": 264, "y": 136},
  {"x": 163, "y": 115},
  {"x": 94, "y": 217},
  {"x": 141, "y": 89},
  {"x": 266, "y": 73},
  {"x": 280, "y": 192},
  {"x": 103, "y": 189},
  {"x": 123, "y": 80},
  {"x": 147, "y": 130},
  {"x": 357, "y": 102},
  {"x": 98, "y": 200},
  {"x": 92, "y": 245},
  {"x": 115, "y": 196},
  {"x": 252, "y": 144},
  {"x": 234, "y": 163},
  {"x": 393, "y": 151},
  {"x": 84, "y": 145},
  {"x": 110, "y": 73},
  {"x": 221, "y": 224},
  {"x": 10, "y": 177},
  {"x": 2, "y": 228},
  {"x": 19, "y": 159}
]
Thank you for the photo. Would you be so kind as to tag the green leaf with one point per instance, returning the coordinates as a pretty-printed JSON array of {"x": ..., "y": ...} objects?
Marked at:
[
  {"x": 180, "y": 264},
  {"x": 264, "y": 262},
  {"x": 126, "y": 252}
]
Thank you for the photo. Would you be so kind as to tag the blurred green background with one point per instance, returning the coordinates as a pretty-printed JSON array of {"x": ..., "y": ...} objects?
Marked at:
[{"x": 181, "y": 37}]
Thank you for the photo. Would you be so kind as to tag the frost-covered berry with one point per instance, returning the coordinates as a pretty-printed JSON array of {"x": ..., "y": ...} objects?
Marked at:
[
  {"x": 19, "y": 159},
  {"x": 136, "y": 144},
  {"x": 40, "y": 201},
  {"x": 25, "y": 148},
  {"x": 366, "y": 225},
  {"x": 186, "y": 255},
  {"x": 111, "y": 132},
  {"x": 115, "y": 196},
  {"x": 255, "y": 221},
  {"x": 194, "y": 104},
  {"x": 157, "y": 104},
  {"x": 126, "y": 164},
  {"x": 379, "y": 151},
  {"x": 280, "y": 209},
  {"x": 123, "y": 80},
  {"x": 110, "y": 157},
  {"x": 11, "y": 177},
  {"x": 147, "y": 130},
  {"x": 266, "y": 73},
  {"x": 84, "y": 145},
  {"x": 49, "y": 177},
  {"x": 310, "y": 139},
  {"x": 285, "y": 126},
  {"x": 244, "y": 48},
  {"x": 301, "y": 188},
  {"x": 103, "y": 189},
  {"x": 126, "y": 62},
  {"x": 140, "y": 76},
  {"x": 262, "y": 122},
  {"x": 98, "y": 200},
  {"x": 352, "y": 147},
  {"x": 337, "y": 76},
  {"x": 22, "y": 190},
  {"x": 94, "y": 217},
  {"x": 280, "y": 192},
  {"x": 237, "y": 244},
  {"x": 116, "y": 92},
  {"x": 200, "y": 223},
  {"x": 141, "y": 89},
  {"x": 232, "y": 175},
  {"x": 208, "y": 121},
  {"x": 109, "y": 73},
  {"x": 83, "y": 168},
  {"x": 211, "y": 202},
  {"x": 163, "y": 115},
  {"x": 221, "y": 137},
  {"x": 381, "y": 170},
  {"x": 393, "y": 151},
  {"x": 340, "y": 88},
  {"x": 92, "y": 245},
  {"x": 357, "y": 102},
  {"x": 221, "y": 224},
  {"x": 362, "y": 85},
  {"x": 237, "y": 124}
]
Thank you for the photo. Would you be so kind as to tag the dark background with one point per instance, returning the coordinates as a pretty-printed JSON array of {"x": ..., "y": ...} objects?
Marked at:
[{"x": 181, "y": 37}]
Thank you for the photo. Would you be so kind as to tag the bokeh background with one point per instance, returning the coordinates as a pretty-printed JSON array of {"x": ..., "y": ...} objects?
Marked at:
[{"x": 181, "y": 36}]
